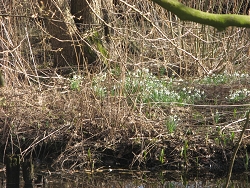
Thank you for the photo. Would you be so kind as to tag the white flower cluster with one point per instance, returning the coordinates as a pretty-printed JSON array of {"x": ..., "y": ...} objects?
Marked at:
[
  {"x": 75, "y": 82},
  {"x": 174, "y": 118},
  {"x": 215, "y": 79},
  {"x": 238, "y": 95},
  {"x": 98, "y": 87},
  {"x": 152, "y": 89},
  {"x": 238, "y": 75},
  {"x": 193, "y": 93},
  {"x": 223, "y": 78},
  {"x": 77, "y": 77},
  {"x": 148, "y": 88},
  {"x": 172, "y": 123}
]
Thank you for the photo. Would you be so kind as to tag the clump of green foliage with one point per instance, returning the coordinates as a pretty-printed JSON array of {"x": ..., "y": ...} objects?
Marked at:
[
  {"x": 224, "y": 78},
  {"x": 238, "y": 95},
  {"x": 171, "y": 124},
  {"x": 75, "y": 82},
  {"x": 144, "y": 87},
  {"x": 96, "y": 47},
  {"x": 216, "y": 79}
]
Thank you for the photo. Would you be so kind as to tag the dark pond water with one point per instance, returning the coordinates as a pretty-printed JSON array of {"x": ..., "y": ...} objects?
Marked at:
[{"x": 135, "y": 179}]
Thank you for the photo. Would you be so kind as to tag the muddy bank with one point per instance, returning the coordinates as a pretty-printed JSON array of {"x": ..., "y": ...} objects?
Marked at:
[{"x": 195, "y": 154}]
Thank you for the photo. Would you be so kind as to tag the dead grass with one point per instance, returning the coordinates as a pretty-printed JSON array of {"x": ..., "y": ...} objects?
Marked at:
[
  {"x": 98, "y": 130},
  {"x": 77, "y": 128}
]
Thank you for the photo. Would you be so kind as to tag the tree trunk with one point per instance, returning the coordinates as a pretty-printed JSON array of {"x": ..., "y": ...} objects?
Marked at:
[
  {"x": 12, "y": 163},
  {"x": 60, "y": 25},
  {"x": 82, "y": 13}
]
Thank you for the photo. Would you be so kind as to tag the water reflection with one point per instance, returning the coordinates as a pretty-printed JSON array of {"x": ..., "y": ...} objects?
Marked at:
[{"x": 133, "y": 179}]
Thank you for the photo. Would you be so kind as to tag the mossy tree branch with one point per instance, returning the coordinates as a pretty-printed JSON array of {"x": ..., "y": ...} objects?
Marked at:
[{"x": 219, "y": 21}]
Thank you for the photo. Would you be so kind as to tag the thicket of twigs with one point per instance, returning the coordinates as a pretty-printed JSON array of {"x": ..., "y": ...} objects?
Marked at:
[{"x": 68, "y": 117}]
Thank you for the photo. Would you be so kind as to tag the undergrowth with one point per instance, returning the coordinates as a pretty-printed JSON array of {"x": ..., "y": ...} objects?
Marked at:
[{"x": 158, "y": 92}]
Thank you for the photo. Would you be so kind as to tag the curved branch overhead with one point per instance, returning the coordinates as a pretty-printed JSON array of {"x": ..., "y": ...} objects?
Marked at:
[{"x": 219, "y": 21}]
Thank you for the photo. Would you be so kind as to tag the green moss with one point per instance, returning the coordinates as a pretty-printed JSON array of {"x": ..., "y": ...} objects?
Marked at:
[{"x": 96, "y": 41}]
